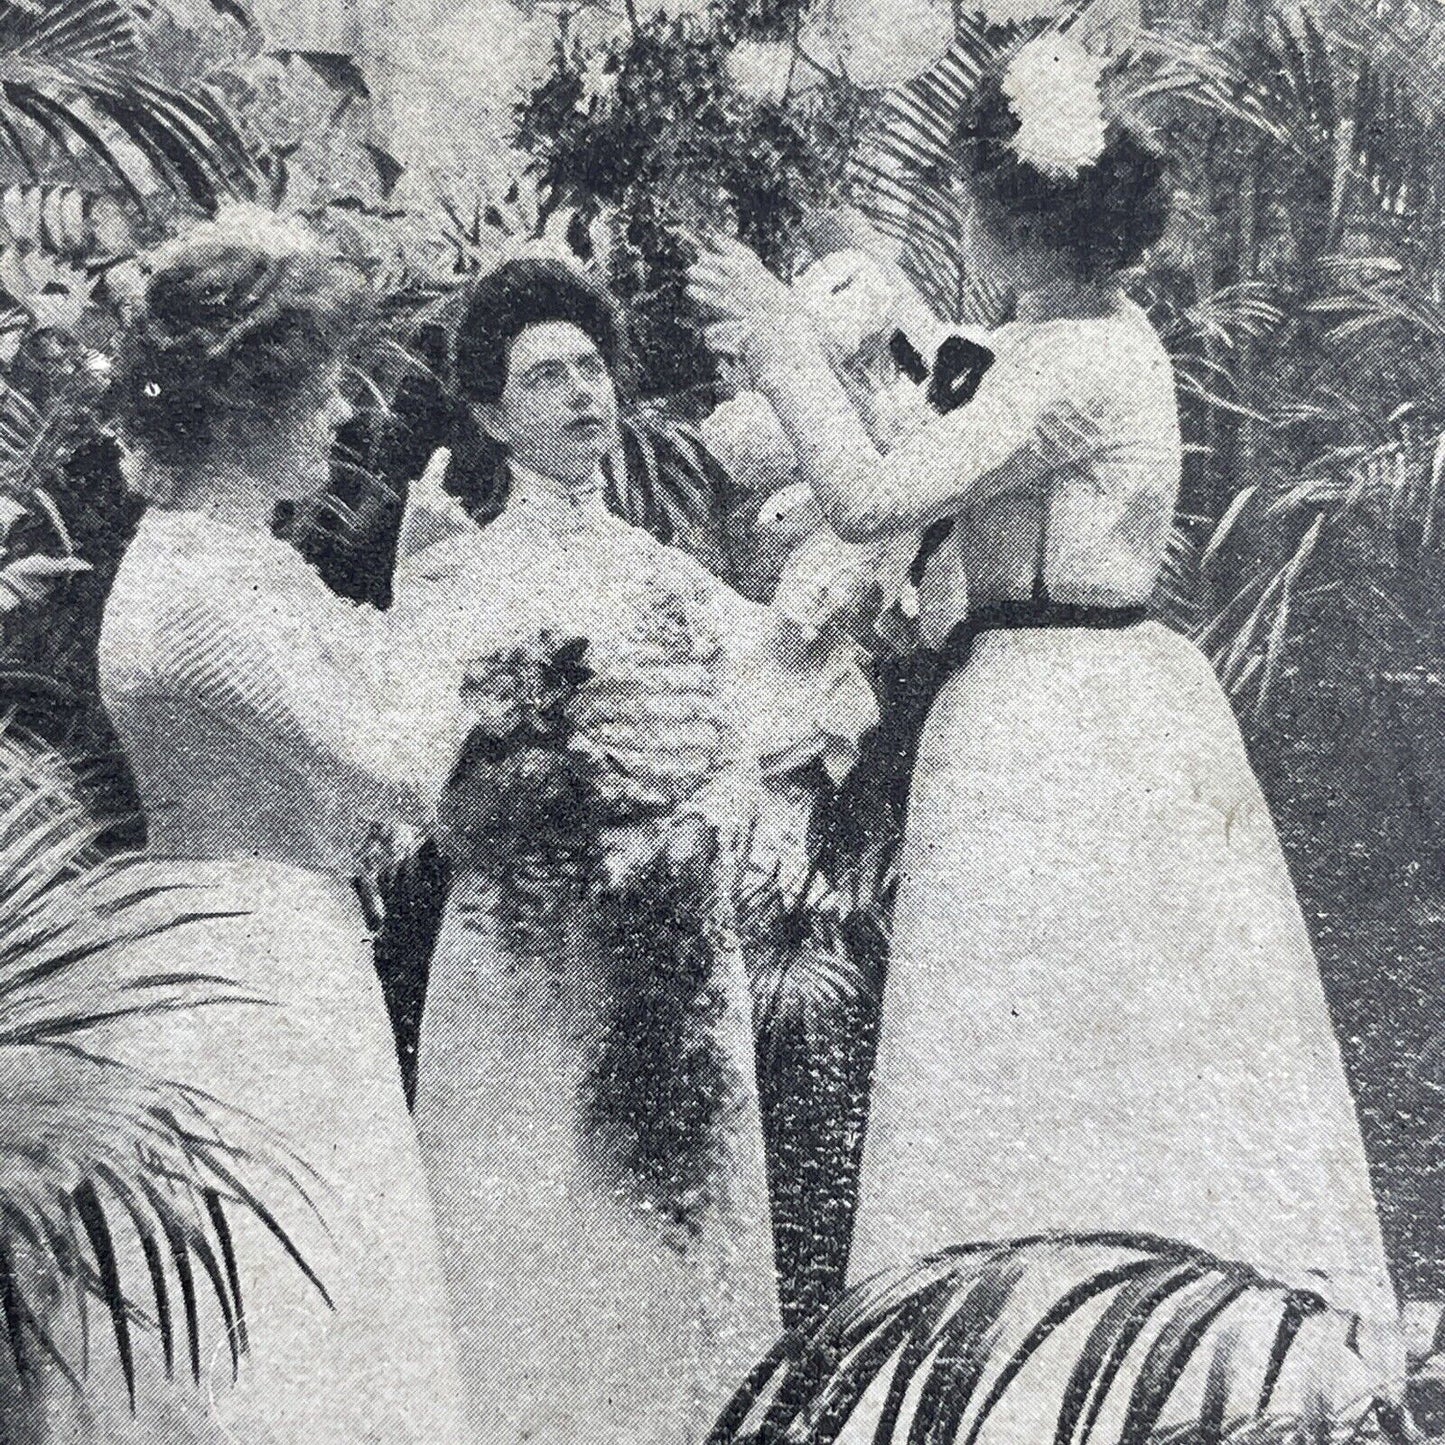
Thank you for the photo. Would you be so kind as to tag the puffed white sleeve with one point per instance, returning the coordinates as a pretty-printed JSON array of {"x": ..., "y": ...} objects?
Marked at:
[
  {"x": 1029, "y": 417},
  {"x": 308, "y": 685},
  {"x": 791, "y": 698}
]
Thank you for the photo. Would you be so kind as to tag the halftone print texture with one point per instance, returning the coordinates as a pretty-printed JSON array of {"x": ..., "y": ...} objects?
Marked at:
[{"x": 720, "y": 722}]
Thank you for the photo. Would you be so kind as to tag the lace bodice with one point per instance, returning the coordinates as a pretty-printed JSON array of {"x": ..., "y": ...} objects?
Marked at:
[
  {"x": 253, "y": 703},
  {"x": 577, "y": 570}
]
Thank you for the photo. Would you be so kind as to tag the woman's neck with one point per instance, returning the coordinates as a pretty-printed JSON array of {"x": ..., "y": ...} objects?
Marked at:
[
  {"x": 1067, "y": 298},
  {"x": 237, "y": 487},
  {"x": 579, "y": 490}
]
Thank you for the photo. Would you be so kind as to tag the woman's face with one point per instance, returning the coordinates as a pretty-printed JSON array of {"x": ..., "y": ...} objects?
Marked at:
[{"x": 557, "y": 414}]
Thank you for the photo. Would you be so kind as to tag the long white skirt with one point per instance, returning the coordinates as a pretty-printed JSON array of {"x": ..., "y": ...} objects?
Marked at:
[
  {"x": 317, "y": 1068},
  {"x": 578, "y": 1318},
  {"x": 1103, "y": 1011}
]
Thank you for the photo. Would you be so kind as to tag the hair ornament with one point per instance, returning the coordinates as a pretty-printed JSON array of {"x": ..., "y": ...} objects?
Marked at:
[{"x": 1052, "y": 87}]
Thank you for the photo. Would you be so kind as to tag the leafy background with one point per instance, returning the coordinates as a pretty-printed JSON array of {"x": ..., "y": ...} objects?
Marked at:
[{"x": 1301, "y": 290}]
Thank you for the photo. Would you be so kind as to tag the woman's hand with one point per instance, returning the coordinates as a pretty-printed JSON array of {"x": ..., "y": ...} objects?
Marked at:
[
  {"x": 791, "y": 516},
  {"x": 755, "y": 316},
  {"x": 432, "y": 515}
]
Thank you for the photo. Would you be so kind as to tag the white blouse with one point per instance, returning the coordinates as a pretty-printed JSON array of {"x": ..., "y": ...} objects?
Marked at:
[
  {"x": 253, "y": 703},
  {"x": 565, "y": 563},
  {"x": 1076, "y": 423}
]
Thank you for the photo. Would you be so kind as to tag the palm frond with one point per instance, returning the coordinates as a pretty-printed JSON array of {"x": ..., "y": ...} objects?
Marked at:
[
  {"x": 1122, "y": 1337},
  {"x": 73, "y": 87},
  {"x": 94, "y": 31},
  {"x": 1178, "y": 600},
  {"x": 670, "y": 484},
  {"x": 897, "y": 172},
  {"x": 1332, "y": 109},
  {"x": 102, "y": 1164}
]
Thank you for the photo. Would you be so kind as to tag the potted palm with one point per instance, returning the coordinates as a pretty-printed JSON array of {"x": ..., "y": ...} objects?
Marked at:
[{"x": 117, "y": 1188}]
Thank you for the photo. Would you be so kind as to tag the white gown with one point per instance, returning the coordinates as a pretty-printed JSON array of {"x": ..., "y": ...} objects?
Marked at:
[
  {"x": 242, "y": 692},
  {"x": 579, "y": 1316},
  {"x": 1102, "y": 1009}
]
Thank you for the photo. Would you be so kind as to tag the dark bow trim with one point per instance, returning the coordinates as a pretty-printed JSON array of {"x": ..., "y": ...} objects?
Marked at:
[{"x": 958, "y": 368}]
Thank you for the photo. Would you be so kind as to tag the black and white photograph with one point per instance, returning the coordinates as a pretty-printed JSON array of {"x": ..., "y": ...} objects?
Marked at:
[{"x": 722, "y": 722}]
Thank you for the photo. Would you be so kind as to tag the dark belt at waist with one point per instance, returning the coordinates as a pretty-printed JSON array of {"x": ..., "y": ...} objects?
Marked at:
[{"x": 1011, "y": 616}]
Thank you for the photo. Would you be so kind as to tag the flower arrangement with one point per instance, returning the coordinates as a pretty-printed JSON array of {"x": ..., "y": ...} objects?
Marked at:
[
  {"x": 534, "y": 813},
  {"x": 517, "y": 783}
]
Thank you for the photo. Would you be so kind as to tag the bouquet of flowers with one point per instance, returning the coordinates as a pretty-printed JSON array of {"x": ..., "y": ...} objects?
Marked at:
[
  {"x": 544, "y": 786},
  {"x": 518, "y": 782}
]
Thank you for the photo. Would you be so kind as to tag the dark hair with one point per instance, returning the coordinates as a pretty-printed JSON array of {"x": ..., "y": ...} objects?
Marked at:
[
  {"x": 529, "y": 292},
  {"x": 1102, "y": 220},
  {"x": 234, "y": 327}
]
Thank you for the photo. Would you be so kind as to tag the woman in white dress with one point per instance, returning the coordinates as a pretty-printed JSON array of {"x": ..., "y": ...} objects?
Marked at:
[
  {"x": 245, "y": 695},
  {"x": 586, "y": 1097},
  {"x": 1102, "y": 1009}
]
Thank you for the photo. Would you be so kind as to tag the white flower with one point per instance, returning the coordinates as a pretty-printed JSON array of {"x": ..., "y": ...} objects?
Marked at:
[
  {"x": 759, "y": 68},
  {"x": 884, "y": 42},
  {"x": 599, "y": 81},
  {"x": 1052, "y": 85},
  {"x": 450, "y": 88}
]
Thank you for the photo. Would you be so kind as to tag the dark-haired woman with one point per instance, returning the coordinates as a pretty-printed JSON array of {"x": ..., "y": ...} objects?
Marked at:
[
  {"x": 251, "y": 706},
  {"x": 586, "y": 1098},
  {"x": 1102, "y": 1010}
]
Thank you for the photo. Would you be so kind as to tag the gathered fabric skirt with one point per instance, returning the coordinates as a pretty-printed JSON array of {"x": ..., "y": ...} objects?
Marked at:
[
  {"x": 1103, "y": 1011},
  {"x": 313, "y": 1071},
  {"x": 580, "y": 1316}
]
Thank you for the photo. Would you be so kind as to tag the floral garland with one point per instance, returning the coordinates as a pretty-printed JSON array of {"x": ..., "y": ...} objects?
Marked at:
[
  {"x": 526, "y": 810},
  {"x": 661, "y": 1091}
]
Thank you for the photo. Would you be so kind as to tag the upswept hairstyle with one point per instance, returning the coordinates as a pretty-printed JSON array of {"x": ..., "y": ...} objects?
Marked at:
[
  {"x": 1102, "y": 220},
  {"x": 530, "y": 291},
  {"x": 243, "y": 316}
]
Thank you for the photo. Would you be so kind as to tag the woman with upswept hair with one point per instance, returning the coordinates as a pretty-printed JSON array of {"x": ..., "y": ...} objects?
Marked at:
[
  {"x": 586, "y": 1093},
  {"x": 1102, "y": 1009},
  {"x": 252, "y": 707}
]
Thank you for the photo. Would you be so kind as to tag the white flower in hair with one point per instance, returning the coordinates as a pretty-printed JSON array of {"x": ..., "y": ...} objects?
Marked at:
[{"x": 1052, "y": 86}]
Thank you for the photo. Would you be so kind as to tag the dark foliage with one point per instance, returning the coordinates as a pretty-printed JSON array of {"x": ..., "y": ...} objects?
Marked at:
[
  {"x": 676, "y": 143},
  {"x": 813, "y": 1090},
  {"x": 49, "y": 680},
  {"x": 526, "y": 812},
  {"x": 649, "y": 273},
  {"x": 762, "y": 19},
  {"x": 662, "y": 1091}
]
